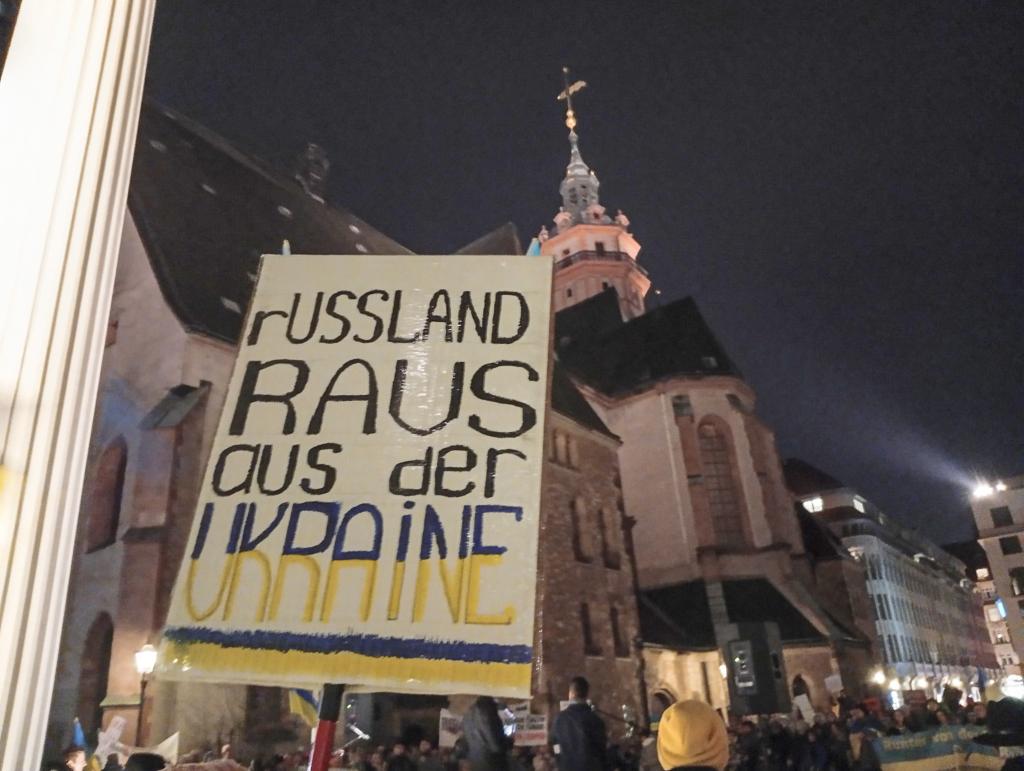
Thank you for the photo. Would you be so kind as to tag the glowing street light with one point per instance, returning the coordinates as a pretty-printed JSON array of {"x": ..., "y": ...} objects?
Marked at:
[
  {"x": 145, "y": 660},
  {"x": 145, "y": 663},
  {"x": 879, "y": 677},
  {"x": 983, "y": 490}
]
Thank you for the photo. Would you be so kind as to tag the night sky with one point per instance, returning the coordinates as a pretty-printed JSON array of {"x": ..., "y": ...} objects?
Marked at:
[{"x": 837, "y": 184}]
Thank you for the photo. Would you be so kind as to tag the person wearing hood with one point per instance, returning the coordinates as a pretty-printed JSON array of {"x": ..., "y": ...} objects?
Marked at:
[
  {"x": 692, "y": 736},
  {"x": 485, "y": 738}
]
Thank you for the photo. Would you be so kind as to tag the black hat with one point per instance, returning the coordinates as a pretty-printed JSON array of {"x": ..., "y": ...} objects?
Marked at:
[
  {"x": 1005, "y": 724},
  {"x": 145, "y": 761}
]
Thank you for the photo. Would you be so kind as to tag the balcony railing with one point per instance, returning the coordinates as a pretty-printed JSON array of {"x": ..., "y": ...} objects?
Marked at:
[{"x": 585, "y": 256}]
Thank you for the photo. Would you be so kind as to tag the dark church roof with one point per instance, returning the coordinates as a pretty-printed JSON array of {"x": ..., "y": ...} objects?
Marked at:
[
  {"x": 568, "y": 401},
  {"x": 617, "y": 357},
  {"x": 678, "y": 616},
  {"x": 819, "y": 541},
  {"x": 206, "y": 212},
  {"x": 504, "y": 239},
  {"x": 803, "y": 479}
]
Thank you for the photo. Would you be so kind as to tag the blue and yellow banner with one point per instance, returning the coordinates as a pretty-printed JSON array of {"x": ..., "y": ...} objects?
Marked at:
[
  {"x": 938, "y": 749},
  {"x": 370, "y": 511}
]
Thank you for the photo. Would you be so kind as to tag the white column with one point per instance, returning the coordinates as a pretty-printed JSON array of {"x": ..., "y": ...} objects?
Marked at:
[{"x": 69, "y": 104}]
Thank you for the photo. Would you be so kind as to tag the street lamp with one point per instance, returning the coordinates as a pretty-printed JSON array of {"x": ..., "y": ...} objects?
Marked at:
[{"x": 145, "y": 662}]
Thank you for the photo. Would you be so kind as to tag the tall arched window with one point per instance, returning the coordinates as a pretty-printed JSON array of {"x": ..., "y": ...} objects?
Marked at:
[
  {"x": 95, "y": 669},
  {"x": 660, "y": 701},
  {"x": 580, "y": 537},
  {"x": 723, "y": 497},
  {"x": 107, "y": 496}
]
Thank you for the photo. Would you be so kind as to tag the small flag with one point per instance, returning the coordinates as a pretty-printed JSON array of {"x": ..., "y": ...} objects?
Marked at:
[
  {"x": 534, "y": 248},
  {"x": 78, "y": 735},
  {"x": 78, "y": 740},
  {"x": 304, "y": 704}
]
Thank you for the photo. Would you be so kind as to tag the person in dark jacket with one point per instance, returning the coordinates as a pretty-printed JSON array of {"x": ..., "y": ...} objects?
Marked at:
[
  {"x": 578, "y": 735},
  {"x": 486, "y": 743}
]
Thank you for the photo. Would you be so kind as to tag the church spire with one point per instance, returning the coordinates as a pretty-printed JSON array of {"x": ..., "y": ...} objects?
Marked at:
[
  {"x": 580, "y": 187},
  {"x": 593, "y": 253}
]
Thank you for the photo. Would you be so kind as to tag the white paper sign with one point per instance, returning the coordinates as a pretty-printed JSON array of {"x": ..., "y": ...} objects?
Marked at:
[
  {"x": 448, "y": 729},
  {"x": 369, "y": 513},
  {"x": 834, "y": 683}
]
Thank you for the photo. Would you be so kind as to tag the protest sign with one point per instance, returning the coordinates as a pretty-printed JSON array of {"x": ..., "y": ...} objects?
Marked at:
[
  {"x": 370, "y": 508},
  {"x": 803, "y": 704},
  {"x": 531, "y": 730},
  {"x": 448, "y": 729},
  {"x": 938, "y": 749},
  {"x": 834, "y": 683}
]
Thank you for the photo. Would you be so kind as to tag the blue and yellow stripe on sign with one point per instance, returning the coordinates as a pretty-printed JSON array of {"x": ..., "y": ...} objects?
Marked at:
[
  {"x": 364, "y": 658},
  {"x": 304, "y": 704}
]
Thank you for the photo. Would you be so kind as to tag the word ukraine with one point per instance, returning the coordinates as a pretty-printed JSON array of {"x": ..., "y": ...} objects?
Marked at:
[{"x": 369, "y": 512}]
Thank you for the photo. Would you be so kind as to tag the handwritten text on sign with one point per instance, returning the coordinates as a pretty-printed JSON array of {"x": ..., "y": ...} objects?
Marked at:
[{"x": 370, "y": 508}]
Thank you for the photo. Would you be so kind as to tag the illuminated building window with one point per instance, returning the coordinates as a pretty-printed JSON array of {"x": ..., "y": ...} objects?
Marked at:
[
  {"x": 590, "y": 646},
  {"x": 982, "y": 574},
  {"x": 1001, "y": 516},
  {"x": 723, "y": 497},
  {"x": 814, "y": 504},
  {"x": 1010, "y": 545}
]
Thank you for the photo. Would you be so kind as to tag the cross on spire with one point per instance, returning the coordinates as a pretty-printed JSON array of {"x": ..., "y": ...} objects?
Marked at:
[{"x": 566, "y": 96}]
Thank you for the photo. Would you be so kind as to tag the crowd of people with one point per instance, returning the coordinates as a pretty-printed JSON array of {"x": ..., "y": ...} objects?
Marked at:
[{"x": 690, "y": 734}]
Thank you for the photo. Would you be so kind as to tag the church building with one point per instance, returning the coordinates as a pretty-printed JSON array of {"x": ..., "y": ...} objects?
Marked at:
[{"x": 719, "y": 546}]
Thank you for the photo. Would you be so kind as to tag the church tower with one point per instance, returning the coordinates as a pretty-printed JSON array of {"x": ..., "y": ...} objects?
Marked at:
[{"x": 592, "y": 251}]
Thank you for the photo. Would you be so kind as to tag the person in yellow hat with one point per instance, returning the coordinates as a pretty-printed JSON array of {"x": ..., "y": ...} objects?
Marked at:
[{"x": 691, "y": 735}]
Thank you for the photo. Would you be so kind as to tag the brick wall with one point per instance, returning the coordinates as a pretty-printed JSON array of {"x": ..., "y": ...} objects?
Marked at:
[{"x": 586, "y": 473}]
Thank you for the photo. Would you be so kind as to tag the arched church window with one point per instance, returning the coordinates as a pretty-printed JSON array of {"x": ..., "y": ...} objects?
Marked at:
[
  {"x": 660, "y": 701},
  {"x": 94, "y": 673},
  {"x": 561, "y": 448},
  {"x": 580, "y": 537},
  {"x": 107, "y": 496},
  {"x": 609, "y": 552},
  {"x": 723, "y": 496},
  {"x": 572, "y": 457}
]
